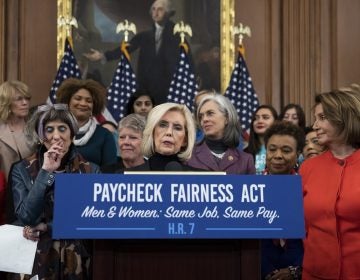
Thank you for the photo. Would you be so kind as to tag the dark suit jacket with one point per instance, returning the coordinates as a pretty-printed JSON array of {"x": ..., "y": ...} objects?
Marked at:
[
  {"x": 159, "y": 162},
  {"x": 154, "y": 70}
]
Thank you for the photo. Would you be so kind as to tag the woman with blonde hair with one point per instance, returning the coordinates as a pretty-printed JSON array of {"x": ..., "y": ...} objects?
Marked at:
[
  {"x": 168, "y": 138},
  {"x": 14, "y": 110}
]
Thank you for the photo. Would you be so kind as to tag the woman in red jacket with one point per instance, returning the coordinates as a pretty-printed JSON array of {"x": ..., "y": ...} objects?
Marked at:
[{"x": 331, "y": 186}]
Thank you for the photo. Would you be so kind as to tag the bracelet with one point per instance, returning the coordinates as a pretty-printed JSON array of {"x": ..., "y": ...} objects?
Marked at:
[{"x": 295, "y": 272}]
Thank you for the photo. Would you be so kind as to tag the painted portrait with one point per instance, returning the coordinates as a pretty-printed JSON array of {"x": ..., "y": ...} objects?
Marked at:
[{"x": 97, "y": 21}]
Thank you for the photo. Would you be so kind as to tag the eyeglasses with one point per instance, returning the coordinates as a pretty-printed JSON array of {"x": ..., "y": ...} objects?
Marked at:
[{"x": 48, "y": 107}]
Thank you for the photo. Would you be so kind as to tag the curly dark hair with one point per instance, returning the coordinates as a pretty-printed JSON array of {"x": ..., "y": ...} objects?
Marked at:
[
  {"x": 70, "y": 86},
  {"x": 286, "y": 128}
]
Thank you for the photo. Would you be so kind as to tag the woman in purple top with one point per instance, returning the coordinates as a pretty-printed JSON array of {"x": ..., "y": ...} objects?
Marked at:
[{"x": 218, "y": 150}]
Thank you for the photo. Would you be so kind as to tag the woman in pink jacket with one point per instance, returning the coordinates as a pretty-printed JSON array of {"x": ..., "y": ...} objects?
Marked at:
[{"x": 331, "y": 186}]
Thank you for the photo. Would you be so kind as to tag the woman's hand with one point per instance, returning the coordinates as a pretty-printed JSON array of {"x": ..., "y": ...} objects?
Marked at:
[
  {"x": 53, "y": 157},
  {"x": 282, "y": 274},
  {"x": 33, "y": 233},
  {"x": 94, "y": 55}
]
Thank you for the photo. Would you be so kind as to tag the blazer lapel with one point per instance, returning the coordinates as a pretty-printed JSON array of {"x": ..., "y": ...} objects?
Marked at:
[
  {"x": 204, "y": 155},
  {"x": 7, "y": 137},
  {"x": 228, "y": 160}
]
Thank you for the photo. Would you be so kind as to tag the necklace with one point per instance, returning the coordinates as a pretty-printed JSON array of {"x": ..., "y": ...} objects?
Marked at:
[{"x": 220, "y": 156}]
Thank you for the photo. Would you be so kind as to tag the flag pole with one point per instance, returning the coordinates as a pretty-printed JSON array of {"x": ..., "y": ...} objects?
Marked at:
[
  {"x": 183, "y": 86},
  {"x": 67, "y": 22},
  {"x": 123, "y": 84},
  {"x": 241, "y": 90}
]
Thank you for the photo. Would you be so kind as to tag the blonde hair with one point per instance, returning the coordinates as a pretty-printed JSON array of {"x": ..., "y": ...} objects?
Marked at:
[
  {"x": 7, "y": 90},
  {"x": 155, "y": 115}
]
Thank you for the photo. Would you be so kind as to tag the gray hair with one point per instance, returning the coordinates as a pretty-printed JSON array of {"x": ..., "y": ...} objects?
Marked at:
[
  {"x": 35, "y": 127},
  {"x": 232, "y": 129},
  {"x": 166, "y": 4},
  {"x": 148, "y": 148},
  {"x": 134, "y": 121}
]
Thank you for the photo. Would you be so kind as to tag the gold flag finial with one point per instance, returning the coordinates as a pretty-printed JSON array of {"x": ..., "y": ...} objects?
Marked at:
[
  {"x": 68, "y": 22},
  {"x": 241, "y": 31},
  {"x": 126, "y": 27},
  {"x": 183, "y": 29}
]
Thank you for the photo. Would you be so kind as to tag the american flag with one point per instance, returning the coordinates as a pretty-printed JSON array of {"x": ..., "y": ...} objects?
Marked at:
[
  {"x": 68, "y": 69},
  {"x": 123, "y": 85},
  {"x": 183, "y": 86},
  {"x": 242, "y": 94}
]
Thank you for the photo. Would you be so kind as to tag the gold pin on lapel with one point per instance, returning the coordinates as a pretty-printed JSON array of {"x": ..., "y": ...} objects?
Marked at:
[{"x": 231, "y": 158}]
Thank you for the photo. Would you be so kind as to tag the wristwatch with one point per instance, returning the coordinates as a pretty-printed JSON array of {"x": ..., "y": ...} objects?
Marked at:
[{"x": 295, "y": 272}]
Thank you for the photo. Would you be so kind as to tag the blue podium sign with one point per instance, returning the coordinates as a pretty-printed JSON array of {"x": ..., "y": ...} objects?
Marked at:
[{"x": 177, "y": 206}]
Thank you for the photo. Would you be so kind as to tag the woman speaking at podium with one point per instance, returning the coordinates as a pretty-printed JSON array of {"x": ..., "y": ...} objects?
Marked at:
[{"x": 168, "y": 140}]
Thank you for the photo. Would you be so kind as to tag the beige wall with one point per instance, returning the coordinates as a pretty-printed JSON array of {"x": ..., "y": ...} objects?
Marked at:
[
  {"x": 297, "y": 48},
  {"x": 301, "y": 47},
  {"x": 29, "y": 44}
]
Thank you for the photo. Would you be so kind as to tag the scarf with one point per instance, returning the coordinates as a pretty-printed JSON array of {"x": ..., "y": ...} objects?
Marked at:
[
  {"x": 75, "y": 163},
  {"x": 88, "y": 130}
]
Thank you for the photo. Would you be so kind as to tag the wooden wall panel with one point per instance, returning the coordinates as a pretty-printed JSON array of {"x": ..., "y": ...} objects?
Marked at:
[
  {"x": 255, "y": 53},
  {"x": 300, "y": 47},
  {"x": 2, "y": 40},
  {"x": 348, "y": 42},
  {"x": 327, "y": 24},
  {"x": 300, "y": 52},
  {"x": 31, "y": 45},
  {"x": 12, "y": 57},
  {"x": 38, "y": 48}
]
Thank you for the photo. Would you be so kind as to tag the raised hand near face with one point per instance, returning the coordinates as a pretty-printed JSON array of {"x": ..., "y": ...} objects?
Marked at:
[
  {"x": 58, "y": 141},
  {"x": 53, "y": 157}
]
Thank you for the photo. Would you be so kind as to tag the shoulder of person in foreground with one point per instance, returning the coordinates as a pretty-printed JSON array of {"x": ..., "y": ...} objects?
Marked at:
[
  {"x": 108, "y": 149},
  {"x": 249, "y": 159},
  {"x": 116, "y": 167},
  {"x": 311, "y": 163}
]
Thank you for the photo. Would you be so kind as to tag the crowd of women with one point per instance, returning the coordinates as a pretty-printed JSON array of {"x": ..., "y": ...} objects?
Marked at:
[{"x": 37, "y": 143}]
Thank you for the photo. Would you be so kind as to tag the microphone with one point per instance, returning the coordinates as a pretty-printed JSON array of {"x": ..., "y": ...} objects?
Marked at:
[{"x": 173, "y": 166}]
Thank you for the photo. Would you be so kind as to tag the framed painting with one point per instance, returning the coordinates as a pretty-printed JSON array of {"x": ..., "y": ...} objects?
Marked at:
[{"x": 212, "y": 47}]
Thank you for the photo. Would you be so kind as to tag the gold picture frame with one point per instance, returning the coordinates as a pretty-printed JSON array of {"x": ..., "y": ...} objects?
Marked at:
[{"x": 227, "y": 47}]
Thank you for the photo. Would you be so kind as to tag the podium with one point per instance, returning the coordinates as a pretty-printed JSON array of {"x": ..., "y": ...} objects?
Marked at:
[
  {"x": 195, "y": 259},
  {"x": 176, "y": 226}
]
